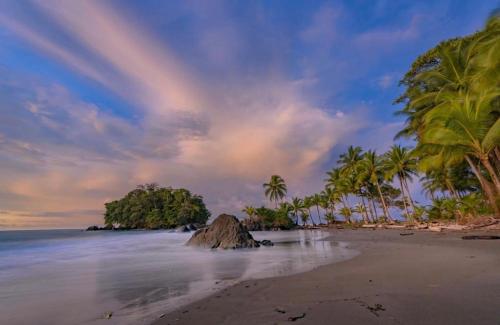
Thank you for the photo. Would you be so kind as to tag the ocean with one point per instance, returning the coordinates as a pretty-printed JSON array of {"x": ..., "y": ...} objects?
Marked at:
[{"x": 79, "y": 277}]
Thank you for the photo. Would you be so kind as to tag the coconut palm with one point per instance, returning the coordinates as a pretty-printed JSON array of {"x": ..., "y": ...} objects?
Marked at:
[
  {"x": 250, "y": 211},
  {"x": 361, "y": 210},
  {"x": 372, "y": 167},
  {"x": 451, "y": 103},
  {"x": 346, "y": 213},
  {"x": 331, "y": 197},
  {"x": 316, "y": 201},
  {"x": 350, "y": 159},
  {"x": 400, "y": 163},
  {"x": 276, "y": 189},
  {"x": 308, "y": 204},
  {"x": 297, "y": 206},
  {"x": 304, "y": 216}
]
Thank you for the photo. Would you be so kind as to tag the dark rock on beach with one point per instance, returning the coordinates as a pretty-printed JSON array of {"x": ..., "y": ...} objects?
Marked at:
[
  {"x": 182, "y": 228},
  {"x": 225, "y": 232},
  {"x": 96, "y": 228},
  {"x": 266, "y": 242}
]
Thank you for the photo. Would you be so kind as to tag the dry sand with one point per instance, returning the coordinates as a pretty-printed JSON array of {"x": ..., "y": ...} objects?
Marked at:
[{"x": 425, "y": 278}]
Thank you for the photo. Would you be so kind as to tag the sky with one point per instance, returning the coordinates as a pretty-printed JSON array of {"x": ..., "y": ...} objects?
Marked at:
[{"x": 97, "y": 97}]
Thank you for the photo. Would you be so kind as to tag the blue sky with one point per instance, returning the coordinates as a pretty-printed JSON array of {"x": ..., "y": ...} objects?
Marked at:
[{"x": 99, "y": 96}]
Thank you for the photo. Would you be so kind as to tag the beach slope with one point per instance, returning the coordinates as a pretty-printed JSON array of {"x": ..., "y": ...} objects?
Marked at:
[{"x": 424, "y": 278}]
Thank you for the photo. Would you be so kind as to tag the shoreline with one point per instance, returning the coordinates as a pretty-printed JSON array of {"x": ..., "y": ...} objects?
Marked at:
[{"x": 423, "y": 278}]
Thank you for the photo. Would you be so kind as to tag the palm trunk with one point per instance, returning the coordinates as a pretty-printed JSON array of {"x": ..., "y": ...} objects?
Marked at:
[
  {"x": 365, "y": 214},
  {"x": 433, "y": 198},
  {"x": 454, "y": 193},
  {"x": 311, "y": 216},
  {"x": 452, "y": 190},
  {"x": 497, "y": 156},
  {"x": 370, "y": 210},
  {"x": 404, "y": 198},
  {"x": 374, "y": 209},
  {"x": 348, "y": 219},
  {"x": 490, "y": 194},
  {"x": 384, "y": 205},
  {"x": 319, "y": 216},
  {"x": 409, "y": 194},
  {"x": 491, "y": 171}
]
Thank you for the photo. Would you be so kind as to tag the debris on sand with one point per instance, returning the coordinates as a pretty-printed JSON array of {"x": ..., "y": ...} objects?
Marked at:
[{"x": 295, "y": 318}]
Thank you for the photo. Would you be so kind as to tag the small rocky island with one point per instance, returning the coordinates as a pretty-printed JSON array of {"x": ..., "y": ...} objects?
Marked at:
[{"x": 225, "y": 232}]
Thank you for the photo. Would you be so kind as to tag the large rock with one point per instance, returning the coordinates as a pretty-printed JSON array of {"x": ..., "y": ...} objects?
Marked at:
[{"x": 225, "y": 232}]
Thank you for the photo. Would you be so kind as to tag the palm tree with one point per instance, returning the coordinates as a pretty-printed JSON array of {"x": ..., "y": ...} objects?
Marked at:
[
  {"x": 331, "y": 196},
  {"x": 316, "y": 201},
  {"x": 308, "y": 203},
  {"x": 304, "y": 216},
  {"x": 341, "y": 184},
  {"x": 463, "y": 127},
  {"x": 276, "y": 189},
  {"x": 350, "y": 159},
  {"x": 346, "y": 213},
  {"x": 361, "y": 209},
  {"x": 400, "y": 162},
  {"x": 250, "y": 211},
  {"x": 451, "y": 102},
  {"x": 297, "y": 207},
  {"x": 373, "y": 169}
]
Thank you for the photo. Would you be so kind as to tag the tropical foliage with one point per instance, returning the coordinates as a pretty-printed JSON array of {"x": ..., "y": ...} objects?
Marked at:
[
  {"x": 153, "y": 207},
  {"x": 451, "y": 102},
  {"x": 452, "y": 105}
]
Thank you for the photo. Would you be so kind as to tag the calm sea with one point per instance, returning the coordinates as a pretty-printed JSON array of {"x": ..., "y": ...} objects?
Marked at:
[{"x": 77, "y": 277}]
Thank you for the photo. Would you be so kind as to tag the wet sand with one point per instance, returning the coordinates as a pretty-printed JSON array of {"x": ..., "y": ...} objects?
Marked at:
[{"x": 424, "y": 278}]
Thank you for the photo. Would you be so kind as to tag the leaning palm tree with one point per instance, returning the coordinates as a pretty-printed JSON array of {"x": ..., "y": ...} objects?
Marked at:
[
  {"x": 276, "y": 189},
  {"x": 372, "y": 168},
  {"x": 304, "y": 216},
  {"x": 464, "y": 128},
  {"x": 451, "y": 103},
  {"x": 308, "y": 204},
  {"x": 297, "y": 206},
  {"x": 331, "y": 197},
  {"x": 400, "y": 163},
  {"x": 316, "y": 201}
]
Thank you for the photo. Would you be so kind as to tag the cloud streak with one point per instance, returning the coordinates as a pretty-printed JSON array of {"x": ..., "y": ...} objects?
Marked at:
[{"x": 220, "y": 139}]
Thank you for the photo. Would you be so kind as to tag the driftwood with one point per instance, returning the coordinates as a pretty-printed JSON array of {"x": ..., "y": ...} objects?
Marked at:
[
  {"x": 472, "y": 237},
  {"x": 485, "y": 223},
  {"x": 406, "y": 233},
  {"x": 435, "y": 228},
  {"x": 294, "y": 318},
  {"x": 395, "y": 227}
]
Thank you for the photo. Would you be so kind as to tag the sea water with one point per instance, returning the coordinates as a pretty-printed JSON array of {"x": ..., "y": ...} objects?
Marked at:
[{"x": 79, "y": 277}]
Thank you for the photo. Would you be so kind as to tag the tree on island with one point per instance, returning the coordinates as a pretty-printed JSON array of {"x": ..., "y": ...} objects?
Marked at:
[{"x": 152, "y": 207}]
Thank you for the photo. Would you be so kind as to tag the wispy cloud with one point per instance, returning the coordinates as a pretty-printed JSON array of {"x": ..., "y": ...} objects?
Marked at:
[{"x": 222, "y": 140}]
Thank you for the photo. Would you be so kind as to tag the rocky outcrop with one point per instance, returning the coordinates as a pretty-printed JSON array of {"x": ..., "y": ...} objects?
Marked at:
[
  {"x": 225, "y": 232},
  {"x": 252, "y": 224}
]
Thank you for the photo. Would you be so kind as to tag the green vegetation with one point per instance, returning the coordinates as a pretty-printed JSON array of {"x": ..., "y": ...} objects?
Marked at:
[
  {"x": 451, "y": 103},
  {"x": 153, "y": 207}
]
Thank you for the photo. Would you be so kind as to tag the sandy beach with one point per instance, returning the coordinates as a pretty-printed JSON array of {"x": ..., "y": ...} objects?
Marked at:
[{"x": 424, "y": 278}]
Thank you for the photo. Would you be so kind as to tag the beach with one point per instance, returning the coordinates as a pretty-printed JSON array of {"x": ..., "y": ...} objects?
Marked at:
[{"x": 422, "y": 278}]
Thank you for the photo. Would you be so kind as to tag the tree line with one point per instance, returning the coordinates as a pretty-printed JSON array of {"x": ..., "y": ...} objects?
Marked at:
[{"x": 451, "y": 102}]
